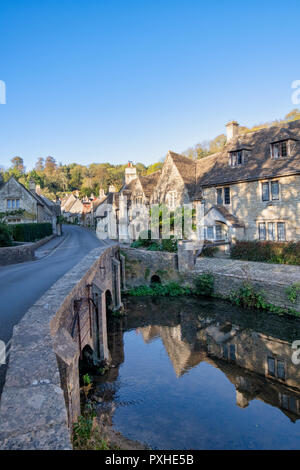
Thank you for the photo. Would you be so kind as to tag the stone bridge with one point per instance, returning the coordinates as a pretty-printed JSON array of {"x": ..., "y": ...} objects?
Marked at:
[{"x": 41, "y": 396}]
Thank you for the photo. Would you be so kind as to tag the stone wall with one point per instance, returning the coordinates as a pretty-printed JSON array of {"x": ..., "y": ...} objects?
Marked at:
[
  {"x": 229, "y": 275},
  {"x": 41, "y": 396},
  {"x": 141, "y": 265},
  {"x": 21, "y": 253}
]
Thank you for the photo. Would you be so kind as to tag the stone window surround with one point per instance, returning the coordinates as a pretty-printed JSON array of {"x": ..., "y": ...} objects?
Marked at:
[
  {"x": 222, "y": 188},
  {"x": 267, "y": 222},
  {"x": 285, "y": 149},
  {"x": 13, "y": 200},
  {"x": 270, "y": 200}
]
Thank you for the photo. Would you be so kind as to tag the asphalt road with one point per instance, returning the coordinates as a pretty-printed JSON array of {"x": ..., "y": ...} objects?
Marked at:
[{"x": 21, "y": 285}]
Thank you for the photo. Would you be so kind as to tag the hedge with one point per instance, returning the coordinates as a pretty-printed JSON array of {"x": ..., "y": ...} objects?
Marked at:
[
  {"x": 30, "y": 232},
  {"x": 270, "y": 252}
]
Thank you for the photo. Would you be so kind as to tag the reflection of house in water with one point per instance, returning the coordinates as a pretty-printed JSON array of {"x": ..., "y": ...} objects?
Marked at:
[{"x": 258, "y": 365}]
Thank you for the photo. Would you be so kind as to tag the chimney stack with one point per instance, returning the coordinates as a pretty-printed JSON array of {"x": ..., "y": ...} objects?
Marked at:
[
  {"x": 1, "y": 177},
  {"x": 112, "y": 188},
  {"x": 232, "y": 130},
  {"x": 101, "y": 193},
  {"x": 32, "y": 187},
  {"x": 130, "y": 173}
]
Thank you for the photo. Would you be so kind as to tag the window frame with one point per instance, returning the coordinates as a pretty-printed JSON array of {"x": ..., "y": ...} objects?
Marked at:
[
  {"x": 259, "y": 231},
  {"x": 284, "y": 231},
  {"x": 276, "y": 361},
  {"x": 283, "y": 149}
]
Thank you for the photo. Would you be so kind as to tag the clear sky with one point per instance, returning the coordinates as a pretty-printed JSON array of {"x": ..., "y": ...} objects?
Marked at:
[{"x": 116, "y": 80}]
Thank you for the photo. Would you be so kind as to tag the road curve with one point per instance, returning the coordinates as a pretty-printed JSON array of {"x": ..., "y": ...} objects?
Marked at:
[{"x": 21, "y": 285}]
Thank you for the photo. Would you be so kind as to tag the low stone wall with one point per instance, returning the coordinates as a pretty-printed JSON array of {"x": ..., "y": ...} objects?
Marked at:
[
  {"x": 141, "y": 265},
  {"x": 229, "y": 275},
  {"x": 41, "y": 396},
  {"x": 21, "y": 253}
]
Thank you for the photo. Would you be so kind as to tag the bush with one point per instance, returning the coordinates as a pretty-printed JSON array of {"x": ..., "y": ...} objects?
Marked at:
[
  {"x": 247, "y": 297},
  {"x": 270, "y": 252},
  {"x": 156, "y": 245},
  {"x": 173, "y": 289},
  {"x": 5, "y": 235},
  {"x": 204, "y": 285},
  {"x": 30, "y": 232}
]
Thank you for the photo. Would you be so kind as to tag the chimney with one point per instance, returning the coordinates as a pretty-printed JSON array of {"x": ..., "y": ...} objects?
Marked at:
[
  {"x": 101, "y": 193},
  {"x": 32, "y": 187},
  {"x": 130, "y": 173},
  {"x": 232, "y": 130},
  {"x": 38, "y": 189},
  {"x": 112, "y": 188},
  {"x": 1, "y": 177}
]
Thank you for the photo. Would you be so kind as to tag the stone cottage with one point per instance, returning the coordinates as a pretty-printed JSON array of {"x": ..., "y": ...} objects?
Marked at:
[
  {"x": 248, "y": 191},
  {"x": 37, "y": 208}
]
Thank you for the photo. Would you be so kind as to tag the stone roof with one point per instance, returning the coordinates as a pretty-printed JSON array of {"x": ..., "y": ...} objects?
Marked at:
[
  {"x": 187, "y": 170},
  {"x": 149, "y": 182},
  {"x": 214, "y": 169},
  {"x": 232, "y": 219}
]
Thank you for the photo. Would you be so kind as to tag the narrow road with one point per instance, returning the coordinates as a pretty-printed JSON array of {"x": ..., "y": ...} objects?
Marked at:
[{"x": 21, "y": 285}]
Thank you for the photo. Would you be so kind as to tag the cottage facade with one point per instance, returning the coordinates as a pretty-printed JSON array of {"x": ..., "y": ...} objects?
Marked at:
[
  {"x": 36, "y": 208},
  {"x": 248, "y": 191}
]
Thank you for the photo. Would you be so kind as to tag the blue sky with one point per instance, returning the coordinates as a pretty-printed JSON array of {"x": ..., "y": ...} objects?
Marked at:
[{"x": 117, "y": 80}]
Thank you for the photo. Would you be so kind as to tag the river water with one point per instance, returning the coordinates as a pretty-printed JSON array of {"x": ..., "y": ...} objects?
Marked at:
[{"x": 201, "y": 374}]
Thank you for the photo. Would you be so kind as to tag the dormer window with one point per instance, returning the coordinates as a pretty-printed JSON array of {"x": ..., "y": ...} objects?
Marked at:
[
  {"x": 237, "y": 157},
  {"x": 282, "y": 148}
]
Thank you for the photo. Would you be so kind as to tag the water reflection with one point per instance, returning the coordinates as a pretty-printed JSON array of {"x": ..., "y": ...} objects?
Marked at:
[{"x": 208, "y": 345}]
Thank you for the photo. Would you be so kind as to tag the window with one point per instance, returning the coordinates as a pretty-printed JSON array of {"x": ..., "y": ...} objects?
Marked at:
[
  {"x": 280, "y": 149},
  {"x": 265, "y": 192},
  {"x": 220, "y": 196},
  {"x": 276, "y": 368},
  {"x": 219, "y": 232},
  {"x": 270, "y": 189},
  {"x": 236, "y": 158},
  {"x": 225, "y": 351},
  {"x": 223, "y": 195},
  {"x": 271, "y": 366},
  {"x": 210, "y": 233},
  {"x": 12, "y": 204},
  {"x": 227, "y": 195},
  {"x": 262, "y": 230},
  {"x": 288, "y": 403},
  {"x": 275, "y": 190},
  {"x": 271, "y": 231},
  {"x": 281, "y": 231},
  {"x": 232, "y": 352},
  {"x": 228, "y": 353}
]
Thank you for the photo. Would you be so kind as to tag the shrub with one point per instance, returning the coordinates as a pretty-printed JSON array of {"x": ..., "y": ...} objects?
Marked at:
[
  {"x": 204, "y": 285},
  {"x": 5, "y": 235},
  {"x": 247, "y": 297},
  {"x": 270, "y": 252},
  {"x": 173, "y": 289},
  {"x": 156, "y": 245},
  {"x": 30, "y": 232}
]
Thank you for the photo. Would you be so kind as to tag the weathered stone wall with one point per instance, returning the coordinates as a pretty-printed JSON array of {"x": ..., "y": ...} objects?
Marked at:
[
  {"x": 21, "y": 253},
  {"x": 229, "y": 275},
  {"x": 246, "y": 204},
  {"x": 41, "y": 396},
  {"x": 141, "y": 265}
]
